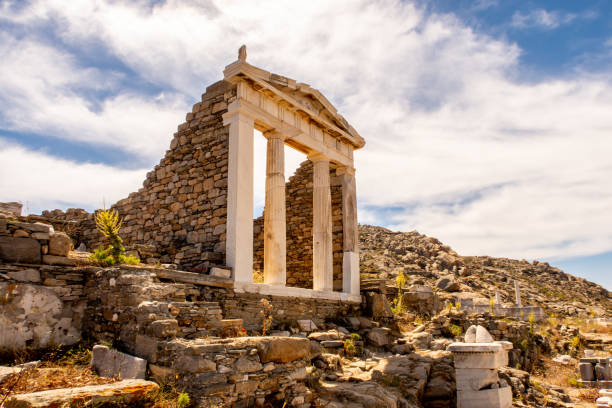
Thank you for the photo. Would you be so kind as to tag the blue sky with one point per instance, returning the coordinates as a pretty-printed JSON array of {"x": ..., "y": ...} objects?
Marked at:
[{"x": 487, "y": 122}]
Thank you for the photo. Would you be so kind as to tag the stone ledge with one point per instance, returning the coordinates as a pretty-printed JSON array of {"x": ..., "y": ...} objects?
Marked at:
[
  {"x": 288, "y": 291},
  {"x": 193, "y": 278}
]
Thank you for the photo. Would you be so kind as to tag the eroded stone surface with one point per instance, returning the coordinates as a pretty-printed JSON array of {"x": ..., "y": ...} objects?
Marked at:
[
  {"x": 112, "y": 363},
  {"x": 125, "y": 391}
]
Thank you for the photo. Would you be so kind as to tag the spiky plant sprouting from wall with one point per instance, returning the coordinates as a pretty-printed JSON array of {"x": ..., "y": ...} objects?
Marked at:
[{"x": 109, "y": 224}]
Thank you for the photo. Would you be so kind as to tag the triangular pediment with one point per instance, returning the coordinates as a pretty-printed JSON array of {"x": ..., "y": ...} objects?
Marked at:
[{"x": 301, "y": 95}]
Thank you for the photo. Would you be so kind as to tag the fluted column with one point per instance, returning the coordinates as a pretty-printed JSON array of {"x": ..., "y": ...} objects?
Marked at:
[
  {"x": 350, "y": 232},
  {"x": 322, "y": 251},
  {"x": 275, "y": 228}
]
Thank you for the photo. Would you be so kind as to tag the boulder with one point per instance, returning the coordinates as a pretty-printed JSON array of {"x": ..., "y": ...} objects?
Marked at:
[
  {"x": 112, "y": 363},
  {"x": 59, "y": 244},
  {"x": 20, "y": 250},
  {"x": 448, "y": 284},
  {"x": 282, "y": 349},
  {"x": 306, "y": 325},
  {"x": 121, "y": 392},
  {"x": 325, "y": 336},
  {"x": 379, "y": 337},
  {"x": 422, "y": 340},
  {"x": 378, "y": 306}
]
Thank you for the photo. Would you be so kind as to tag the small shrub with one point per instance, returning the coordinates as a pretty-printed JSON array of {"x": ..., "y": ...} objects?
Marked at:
[
  {"x": 458, "y": 305},
  {"x": 449, "y": 306},
  {"x": 266, "y": 313},
  {"x": 532, "y": 321},
  {"x": 109, "y": 224},
  {"x": 183, "y": 400},
  {"x": 455, "y": 330},
  {"x": 492, "y": 306}
]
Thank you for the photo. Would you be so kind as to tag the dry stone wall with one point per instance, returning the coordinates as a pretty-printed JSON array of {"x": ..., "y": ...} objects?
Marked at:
[
  {"x": 180, "y": 214},
  {"x": 299, "y": 190}
]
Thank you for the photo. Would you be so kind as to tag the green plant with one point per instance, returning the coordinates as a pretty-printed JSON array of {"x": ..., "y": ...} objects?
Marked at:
[
  {"x": 573, "y": 381},
  {"x": 449, "y": 306},
  {"x": 266, "y": 313},
  {"x": 455, "y": 330},
  {"x": 532, "y": 321},
  {"x": 183, "y": 400},
  {"x": 398, "y": 303},
  {"x": 458, "y": 305},
  {"x": 492, "y": 306},
  {"x": 109, "y": 224}
]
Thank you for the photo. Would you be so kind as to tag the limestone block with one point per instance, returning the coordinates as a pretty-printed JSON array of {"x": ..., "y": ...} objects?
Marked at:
[
  {"x": 422, "y": 341},
  {"x": 58, "y": 260},
  {"x": 306, "y": 325},
  {"x": 221, "y": 273},
  {"x": 122, "y": 392},
  {"x": 60, "y": 244},
  {"x": 587, "y": 372},
  {"x": 25, "y": 275},
  {"x": 378, "y": 337},
  {"x": 20, "y": 250},
  {"x": 163, "y": 328},
  {"x": 247, "y": 365},
  {"x": 161, "y": 373},
  {"x": 194, "y": 364},
  {"x": 332, "y": 343},
  {"x": 36, "y": 316},
  {"x": 378, "y": 305},
  {"x": 282, "y": 349},
  {"x": 491, "y": 398},
  {"x": 112, "y": 363},
  {"x": 474, "y": 379}
]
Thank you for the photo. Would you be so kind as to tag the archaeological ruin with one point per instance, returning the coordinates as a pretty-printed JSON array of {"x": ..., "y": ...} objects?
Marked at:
[{"x": 196, "y": 207}]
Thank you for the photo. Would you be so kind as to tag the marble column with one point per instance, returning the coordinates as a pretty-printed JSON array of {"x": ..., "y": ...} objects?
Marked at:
[
  {"x": 275, "y": 235},
  {"x": 322, "y": 251},
  {"x": 350, "y": 232},
  {"x": 517, "y": 294},
  {"x": 239, "y": 238}
]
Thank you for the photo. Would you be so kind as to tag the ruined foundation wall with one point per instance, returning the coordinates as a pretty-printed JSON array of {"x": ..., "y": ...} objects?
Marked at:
[
  {"x": 180, "y": 214},
  {"x": 299, "y": 191}
]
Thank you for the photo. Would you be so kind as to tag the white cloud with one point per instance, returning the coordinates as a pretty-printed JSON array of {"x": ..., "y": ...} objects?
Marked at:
[
  {"x": 41, "y": 182},
  {"x": 473, "y": 156},
  {"x": 547, "y": 20}
]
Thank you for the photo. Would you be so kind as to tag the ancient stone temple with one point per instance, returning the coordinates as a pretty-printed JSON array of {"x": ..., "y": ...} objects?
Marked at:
[
  {"x": 195, "y": 208},
  {"x": 288, "y": 113}
]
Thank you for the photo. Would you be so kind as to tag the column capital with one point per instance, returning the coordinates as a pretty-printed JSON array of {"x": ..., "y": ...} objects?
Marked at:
[
  {"x": 275, "y": 134},
  {"x": 345, "y": 170},
  {"x": 318, "y": 157},
  {"x": 237, "y": 112}
]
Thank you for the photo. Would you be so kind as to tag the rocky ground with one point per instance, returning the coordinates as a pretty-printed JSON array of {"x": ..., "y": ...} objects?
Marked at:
[{"x": 427, "y": 261}]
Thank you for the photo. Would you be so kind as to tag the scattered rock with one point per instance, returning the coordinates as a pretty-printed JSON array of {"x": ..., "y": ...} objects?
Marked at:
[{"x": 112, "y": 363}]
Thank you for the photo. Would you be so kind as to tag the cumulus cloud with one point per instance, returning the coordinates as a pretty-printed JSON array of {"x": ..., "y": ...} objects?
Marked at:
[{"x": 458, "y": 147}]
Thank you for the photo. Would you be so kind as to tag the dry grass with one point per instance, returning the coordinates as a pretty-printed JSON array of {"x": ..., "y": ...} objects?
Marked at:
[
  {"x": 50, "y": 378},
  {"x": 564, "y": 376}
]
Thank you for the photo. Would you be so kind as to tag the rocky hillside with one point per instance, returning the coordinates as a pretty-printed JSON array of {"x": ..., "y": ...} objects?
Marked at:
[{"x": 426, "y": 261}]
